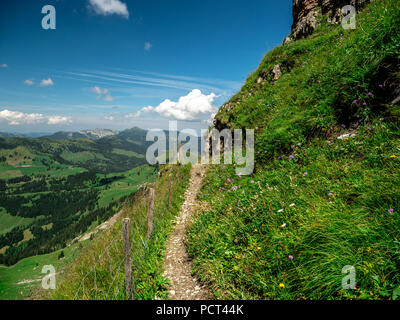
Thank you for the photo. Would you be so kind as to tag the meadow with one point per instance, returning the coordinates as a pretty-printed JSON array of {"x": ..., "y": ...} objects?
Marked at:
[
  {"x": 325, "y": 193},
  {"x": 22, "y": 280},
  {"x": 98, "y": 263}
]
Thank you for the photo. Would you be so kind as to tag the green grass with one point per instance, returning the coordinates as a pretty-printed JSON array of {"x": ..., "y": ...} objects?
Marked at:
[
  {"x": 130, "y": 183},
  {"x": 7, "y": 171},
  {"x": 27, "y": 236},
  {"x": 128, "y": 153},
  {"x": 147, "y": 256},
  {"x": 23, "y": 279},
  {"x": 78, "y": 157},
  {"x": 7, "y": 221},
  {"x": 290, "y": 228}
]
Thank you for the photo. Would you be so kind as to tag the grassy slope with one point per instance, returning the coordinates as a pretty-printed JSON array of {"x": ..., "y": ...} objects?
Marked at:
[
  {"x": 147, "y": 256},
  {"x": 288, "y": 230},
  {"x": 128, "y": 184},
  {"x": 7, "y": 221},
  {"x": 18, "y": 281},
  {"x": 9, "y": 277}
]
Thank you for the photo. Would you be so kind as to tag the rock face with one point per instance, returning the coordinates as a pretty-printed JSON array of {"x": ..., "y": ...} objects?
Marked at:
[
  {"x": 307, "y": 13},
  {"x": 276, "y": 72}
]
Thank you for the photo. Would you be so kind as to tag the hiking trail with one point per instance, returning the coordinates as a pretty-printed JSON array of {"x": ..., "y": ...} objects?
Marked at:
[{"x": 178, "y": 266}]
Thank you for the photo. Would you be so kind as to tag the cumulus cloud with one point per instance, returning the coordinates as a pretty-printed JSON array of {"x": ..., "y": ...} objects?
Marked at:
[
  {"x": 46, "y": 82},
  {"x": 147, "y": 46},
  {"x": 58, "y": 120},
  {"x": 109, "y": 7},
  {"x": 101, "y": 92},
  {"x": 29, "y": 82},
  {"x": 3, "y": 65},
  {"x": 109, "y": 98},
  {"x": 17, "y": 118},
  {"x": 190, "y": 107}
]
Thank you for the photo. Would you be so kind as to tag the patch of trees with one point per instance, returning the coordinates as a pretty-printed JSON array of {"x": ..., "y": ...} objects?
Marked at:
[
  {"x": 53, "y": 203},
  {"x": 105, "y": 181},
  {"x": 14, "y": 236},
  {"x": 19, "y": 179},
  {"x": 45, "y": 183},
  {"x": 65, "y": 228}
]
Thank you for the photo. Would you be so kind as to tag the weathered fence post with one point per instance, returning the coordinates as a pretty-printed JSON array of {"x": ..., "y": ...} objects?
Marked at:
[
  {"x": 150, "y": 214},
  {"x": 170, "y": 191},
  {"x": 126, "y": 236},
  {"x": 180, "y": 154}
]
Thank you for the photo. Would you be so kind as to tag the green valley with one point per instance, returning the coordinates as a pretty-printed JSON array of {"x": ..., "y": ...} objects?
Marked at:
[{"x": 54, "y": 190}]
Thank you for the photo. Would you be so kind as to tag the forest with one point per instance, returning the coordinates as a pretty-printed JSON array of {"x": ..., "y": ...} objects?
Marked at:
[{"x": 61, "y": 188}]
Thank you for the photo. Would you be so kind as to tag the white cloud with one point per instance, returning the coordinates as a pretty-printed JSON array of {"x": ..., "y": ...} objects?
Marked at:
[
  {"x": 101, "y": 92},
  {"x": 17, "y": 118},
  {"x": 108, "y": 7},
  {"x": 29, "y": 82},
  {"x": 147, "y": 46},
  {"x": 4, "y": 65},
  {"x": 46, "y": 82},
  {"x": 96, "y": 90},
  {"x": 58, "y": 120},
  {"x": 109, "y": 98},
  {"x": 190, "y": 107}
]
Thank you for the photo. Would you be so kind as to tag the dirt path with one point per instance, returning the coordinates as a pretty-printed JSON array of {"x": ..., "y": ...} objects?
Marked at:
[{"x": 178, "y": 267}]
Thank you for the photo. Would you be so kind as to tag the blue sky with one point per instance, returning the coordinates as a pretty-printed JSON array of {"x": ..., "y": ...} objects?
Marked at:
[{"x": 123, "y": 63}]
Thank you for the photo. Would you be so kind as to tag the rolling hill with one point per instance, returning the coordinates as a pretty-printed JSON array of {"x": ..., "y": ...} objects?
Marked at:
[
  {"x": 54, "y": 189},
  {"x": 325, "y": 195}
]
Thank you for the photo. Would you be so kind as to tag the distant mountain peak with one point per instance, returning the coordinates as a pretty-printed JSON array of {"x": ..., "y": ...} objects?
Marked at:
[{"x": 98, "y": 133}]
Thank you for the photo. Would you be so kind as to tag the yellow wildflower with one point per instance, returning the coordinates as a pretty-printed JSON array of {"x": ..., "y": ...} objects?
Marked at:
[{"x": 281, "y": 285}]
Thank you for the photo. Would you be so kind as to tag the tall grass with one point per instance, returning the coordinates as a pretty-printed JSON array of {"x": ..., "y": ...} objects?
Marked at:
[
  {"x": 100, "y": 262},
  {"x": 316, "y": 203}
]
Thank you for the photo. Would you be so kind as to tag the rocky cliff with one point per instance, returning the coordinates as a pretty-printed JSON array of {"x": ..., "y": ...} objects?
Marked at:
[{"x": 308, "y": 13}]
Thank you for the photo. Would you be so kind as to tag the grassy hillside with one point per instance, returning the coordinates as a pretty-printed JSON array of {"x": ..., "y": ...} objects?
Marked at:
[
  {"x": 326, "y": 189},
  {"x": 100, "y": 262},
  {"x": 24, "y": 156},
  {"x": 22, "y": 279},
  {"x": 41, "y": 213}
]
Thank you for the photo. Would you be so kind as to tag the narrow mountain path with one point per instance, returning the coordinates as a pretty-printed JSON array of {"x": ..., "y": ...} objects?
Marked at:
[{"x": 178, "y": 266}]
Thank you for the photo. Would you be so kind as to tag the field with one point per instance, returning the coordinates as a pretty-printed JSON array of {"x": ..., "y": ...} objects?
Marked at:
[
  {"x": 68, "y": 184},
  {"x": 7, "y": 221},
  {"x": 22, "y": 279},
  {"x": 127, "y": 183},
  {"x": 53, "y": 191}
]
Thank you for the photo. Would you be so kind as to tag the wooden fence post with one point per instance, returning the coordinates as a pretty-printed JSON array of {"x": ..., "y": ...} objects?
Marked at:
[
  {"x": 126, "y": 236},
  {"x": 180, "y": 154},
  {"x": 150, "y": 214},
  {"x": 170, "y": 191}
]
